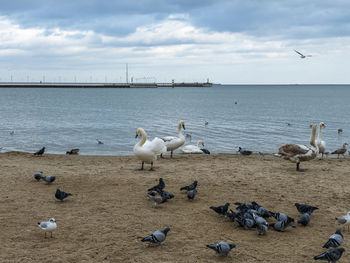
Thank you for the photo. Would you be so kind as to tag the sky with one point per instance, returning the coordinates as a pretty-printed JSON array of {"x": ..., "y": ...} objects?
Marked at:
[{"x": 225, "y": 41}]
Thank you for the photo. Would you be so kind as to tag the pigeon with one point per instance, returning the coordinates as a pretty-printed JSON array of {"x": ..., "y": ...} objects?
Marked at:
[
  {"x": 304, "y": 219},
  {"x": 205, "y": 151},
  {"x": 160, "y": 185},
  {"x": 48, "y": 226},
  {"x": 303, "y": 208},
  {"x": 165, "y": 194},
  {"x": 334, "y": 240},
  {"x": 40, "y": 152},
  {"x": 222, "y": 248},
  {"x": 261, "y": 210},
  {"x": 61, "y": 195},
  {"x": 281, "y": 225},
  {"x": 157, "y": 237},
  {"x": 190, "y": 187},
  {"x": 282, "y": 217},
  {"x": 156, "y": 199},
  {"x": 73, "y": 151},
  {"x": 220, "y": 209},
  {"x": 332, "y": 255},
  {"x": 344, "y": 220},
  {"x": 244, "y": 152},
  {"x": 38, "y": 176},
  {"x": 49, "y": 179},
  {"x": 151, "y": 193},
  {"x": 191, "y": 194},
  {"x": 261, "y": 224}
]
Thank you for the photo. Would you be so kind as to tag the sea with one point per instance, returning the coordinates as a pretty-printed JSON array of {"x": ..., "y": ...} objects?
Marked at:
[{"x": 255, "y": 117}]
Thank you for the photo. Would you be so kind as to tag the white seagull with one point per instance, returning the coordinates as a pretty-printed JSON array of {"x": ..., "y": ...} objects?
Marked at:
[
  {"x": 302, "y": 55},
  {"x": 48, "y": 226},
  {"x": 344, "y": 220}
]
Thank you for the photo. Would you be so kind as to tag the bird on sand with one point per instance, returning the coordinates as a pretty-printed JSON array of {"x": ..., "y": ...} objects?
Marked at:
[
  {"x": 160, "y": 185},
  {"x": 302, "y": 55},
  {"x": 344, "y": 220},
  {"x": 48, "y": 226},
  {"x": 304, "y": 208},
  {"x": 244, "y": 152},
  {"x": 332, "y": 255},
  {"x": 60, "y": 195},
  {"x": 304, "y": 219},
  {"x": 335, "y": 240},
  {"x": 222, "y": 248},
  {"x": 40, "y": 152},
  {"x": 49, "y": 179},
  {"x": 38, "y": 176},
  {"x": 191, "y": 194},
  {"x": 220, "y": 209},
  {"x": 341, "y": 150},
  {"x": 156, "y": 199},
  {"x": 190, "y": 187},
  {"x": 157, "y": 237}
]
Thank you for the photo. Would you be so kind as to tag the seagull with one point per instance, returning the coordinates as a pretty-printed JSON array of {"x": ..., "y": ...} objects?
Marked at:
[
  {"x": 48, "y": 226},
  {"x": 40, "y": 152},
  {"x": 301, "y": 55},
  {"x": 222, "y": 248},
  {"x": 344, "y": 220},
  {"x": 38, "y": 176},
  {"x": 61, "y": 195},
  {"x": 49, "y": 179},
  {"x": 332, "y": 255},
  {"x": 157, "y": 237},
  {"x": 334, "y": 240}
]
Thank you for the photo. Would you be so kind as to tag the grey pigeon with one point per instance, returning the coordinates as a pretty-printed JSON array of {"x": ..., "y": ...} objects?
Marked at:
[
  {"x": 160, "y": 185},
  {"x": 49, "y": 179},
  {"x": 332, "y": 255},
  {"x": 151, "y": 193},
  {"x": 156, "y": 199},
  {"x": 261, "y": 224},
  {"x": 303, "y": 208},
  {"x": 281, "y": 225},
  {"x": 222, "y": 248},
  {"x": 190, "y": 187},
  {"x": 334, "y": 240},
  {"x": 191, "y": 194},
  {"x": 38, "y": 176},
  {"x": 157, "y": 237},
  {"x": 164, "y": 194},
  {"x": 220, "y": 209},
  {"x": 60, "y": 195},
  {"x": 282, "y": 217},
  {"x": 248, "y": 223},
  {"x": 304, "y": 219},
  {"x": 40, "y": 152}
]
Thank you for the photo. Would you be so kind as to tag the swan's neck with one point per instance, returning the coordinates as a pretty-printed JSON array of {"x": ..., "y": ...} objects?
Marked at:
[
  {"x": 313, "y": 136},
  {"x": 143, "y": 139},
  {"x": 179, "y": 129},
  {"x": 199, "y": 144},
  {"x": 320, "y": 134}
]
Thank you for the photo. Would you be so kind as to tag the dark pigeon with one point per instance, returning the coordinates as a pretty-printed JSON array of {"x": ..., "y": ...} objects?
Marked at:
[
  {"x": 222, "y": 248},
  {"x": 335, "y": 240},
  {"x": 38, "y": 176},
  {"x": 244, "y": 152},
  {"x": 49, "y": 179},
  {"x": 165, "y": 194},
  {"x": 157, "y": 237},
  {"x": 190, "y": 187},
  {"x": 220, "y": 209},
  {"x": 73, "y": 151},
  {"x": 282, "y": 217},
  {"x": 281, "y": 225},
  {"x": 40, "y": 152},
  {"x": 61, "y": 195},
  {"x": 151, "y": 193},
  {"x": 160, "y": 185},
  {"x": 303, "y": 208},
  {"x": 205, "y": 151},
  {"x": 332, "y": 255},
  {"x": 304, "y": 219},
  {"x": 191, "y": 194}
]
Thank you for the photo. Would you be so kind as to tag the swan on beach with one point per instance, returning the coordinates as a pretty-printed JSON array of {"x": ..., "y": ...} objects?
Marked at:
[
  {"x": 297, "y": 153},
  {"x": 173, "y": 142},
  {"x": 193, "y": 148},
  {"x": 320, "y": 143},
  {"x": 146, "y": 150}
]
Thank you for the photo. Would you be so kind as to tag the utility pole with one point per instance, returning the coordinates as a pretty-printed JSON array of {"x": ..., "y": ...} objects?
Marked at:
[{"x": 127, "y": 74}]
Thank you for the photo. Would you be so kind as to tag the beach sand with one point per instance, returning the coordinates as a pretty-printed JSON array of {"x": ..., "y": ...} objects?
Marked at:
[{"x": 108, "y": 213}]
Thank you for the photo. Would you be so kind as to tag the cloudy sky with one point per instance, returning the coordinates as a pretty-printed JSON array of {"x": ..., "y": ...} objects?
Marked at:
[{"x": 227, "y": 41}]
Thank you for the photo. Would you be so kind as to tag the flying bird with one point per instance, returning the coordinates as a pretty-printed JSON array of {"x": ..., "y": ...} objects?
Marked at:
[
  {"x": 40, "y": 152},
  {"x": 157, "y": 237},
  {"x": 60, "y": 195},
  {"x": 48, "y": 226},
  {"x": 302, "y": 55},
  {"x": 222, "y": 248},
  {"x": 332, "y": 255}
]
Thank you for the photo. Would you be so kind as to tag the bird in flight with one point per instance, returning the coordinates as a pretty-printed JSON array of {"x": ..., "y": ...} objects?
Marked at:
[{"x": 302, "y": 55}]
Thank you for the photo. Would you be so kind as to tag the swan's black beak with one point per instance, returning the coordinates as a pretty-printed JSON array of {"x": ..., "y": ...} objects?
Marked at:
[
  {"x": 136, "y": 135},
  {"x": 183, "y": 126}
]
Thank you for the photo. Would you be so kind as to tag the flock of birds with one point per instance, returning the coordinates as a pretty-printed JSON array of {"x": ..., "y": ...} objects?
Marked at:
[{"x": 250, "y": 216}]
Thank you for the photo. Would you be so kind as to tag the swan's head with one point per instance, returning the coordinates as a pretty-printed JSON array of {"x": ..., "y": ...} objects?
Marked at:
[
  {"x": 200, "y": 142},
  {"x": 322, "y": 125},
  {"x": 138, "y": 132},
  {"x": 182, "y": 124}
]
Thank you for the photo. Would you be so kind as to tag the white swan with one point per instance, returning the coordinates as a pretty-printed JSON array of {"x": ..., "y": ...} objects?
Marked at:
[
  {"x": 147, "y": 151},
  {"x": 193, "y": 148},
  {"x": 173, "y": 142},
  {"x": 321, "y": 144},
  {"x": 297, "y": 153}
]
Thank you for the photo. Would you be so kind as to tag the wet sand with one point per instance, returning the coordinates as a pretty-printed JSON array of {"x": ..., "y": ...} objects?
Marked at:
[{"x": 108, "y": 213}]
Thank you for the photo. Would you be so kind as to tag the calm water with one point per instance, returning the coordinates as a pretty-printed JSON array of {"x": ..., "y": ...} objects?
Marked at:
[{"x": 61, "y": 119}]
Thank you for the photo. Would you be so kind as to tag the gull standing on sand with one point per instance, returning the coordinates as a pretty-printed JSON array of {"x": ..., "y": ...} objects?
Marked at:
[
  {"x": 147, "y": 151},
  {"x": 173, "y": 142},
  {"x": 341, "y": 150},
  {"x": 344, "y": 220},
  {"x": 48, "y": 226}
]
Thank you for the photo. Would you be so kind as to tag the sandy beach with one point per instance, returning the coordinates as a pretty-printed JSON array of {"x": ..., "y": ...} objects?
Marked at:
[{"x": 108, "y": 213}]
